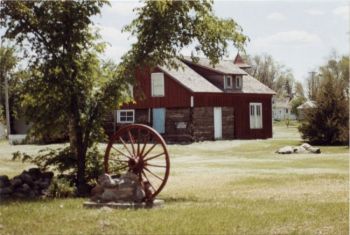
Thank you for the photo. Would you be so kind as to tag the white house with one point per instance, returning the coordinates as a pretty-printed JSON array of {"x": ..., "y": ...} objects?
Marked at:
[{"x": 282, "y": 109}]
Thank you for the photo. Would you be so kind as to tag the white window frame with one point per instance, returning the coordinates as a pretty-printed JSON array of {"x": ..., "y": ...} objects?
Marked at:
[
  {"x": 239, "y": 81},
  {"x": 125, "y": 110},
  {"x": 255, "y": 116},
  {"x": 226, "y": 86},
  {"x": 157, "y": 78}
]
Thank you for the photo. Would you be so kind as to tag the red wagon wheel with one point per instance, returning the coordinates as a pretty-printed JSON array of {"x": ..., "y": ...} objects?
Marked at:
[{"x": 141, "y": 150}]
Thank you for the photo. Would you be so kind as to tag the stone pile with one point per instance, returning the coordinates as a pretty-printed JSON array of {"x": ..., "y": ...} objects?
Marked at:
[
  {"x": 29, "y": 184},
  {"x": 126, "y": 188},
  {"x": 304, "y": 148}
]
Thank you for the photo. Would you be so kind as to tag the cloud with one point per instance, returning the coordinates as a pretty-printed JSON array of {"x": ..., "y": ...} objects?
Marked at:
[
  {"x": 118, "y": 42},
  {"x": 314, "y": 12},
  {"x": 276, "y": 16},
  {"x": 342, "y": 11},
  {"x": 293, "y": 37},
  {"x": 124, "y": 8},
  {"x": 114, "y": 35}
]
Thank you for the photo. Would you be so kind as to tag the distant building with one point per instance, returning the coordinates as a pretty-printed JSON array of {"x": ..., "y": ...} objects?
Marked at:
[
  {"x": 282, "y": 109},
  {"x": 307, "y": 105}
]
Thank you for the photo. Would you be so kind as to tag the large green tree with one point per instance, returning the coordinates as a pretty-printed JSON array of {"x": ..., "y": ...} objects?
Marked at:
[
  {"x": 328, "y": 123},
  {"x": 71, "y": 87}
]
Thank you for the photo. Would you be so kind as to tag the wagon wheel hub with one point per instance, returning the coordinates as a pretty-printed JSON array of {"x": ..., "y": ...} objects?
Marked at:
[{"x": 136, "y": 165}]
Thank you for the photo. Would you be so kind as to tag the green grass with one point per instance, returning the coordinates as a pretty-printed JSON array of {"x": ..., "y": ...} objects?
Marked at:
[{"x": 223, "y": 187}]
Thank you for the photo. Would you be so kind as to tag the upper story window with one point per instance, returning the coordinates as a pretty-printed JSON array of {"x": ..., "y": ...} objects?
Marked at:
[
  {"x": 126, "y": 116},
  {"x": 238, "y": 81},
  {"x": 157, "y": 84},
  {"x": 255, "y": 115},
  {"x": 227, "y": 81}
]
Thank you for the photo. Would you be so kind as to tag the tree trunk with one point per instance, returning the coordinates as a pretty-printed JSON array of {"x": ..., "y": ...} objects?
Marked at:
[{"x": 77, "y": 148}]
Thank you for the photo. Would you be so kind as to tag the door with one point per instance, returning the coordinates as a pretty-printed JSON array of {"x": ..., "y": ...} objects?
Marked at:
[
  {"x": 159, "y": 120},
  {"x": 217, "y": 123}
]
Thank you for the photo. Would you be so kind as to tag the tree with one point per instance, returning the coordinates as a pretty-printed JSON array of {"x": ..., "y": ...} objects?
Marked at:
[
  {"x": 69, "y": 85},
  {"x": 274, "y": 75},
  {"x": 313, "y": 85},
  {"x": 8, "y": 62},
  {"x": 299, "y": 89},
  {"x": 328, "y": 123}
]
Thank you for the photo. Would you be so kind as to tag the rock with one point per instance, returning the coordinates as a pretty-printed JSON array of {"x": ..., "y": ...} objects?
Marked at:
[
  {"x": 96, "y": 192},
  {"x": 25, "y": 188},
  {"x": 4, "y": 181},
  {"x": 314, "y": 150},
  {"x": 109, "y": 195},
  {"x": 43, "y": 183},
  {"x": 285, "y": 150},
  {"x": 5, "y": 191},
  {"x": 19, "y": 195},
  {"x": 106, "y": 181},
  {"x": 26, "y": 178},
  {"x": 139, "y": 194},
  {"x": 35, "y": 173},
  {"x": 16, "y": 182},
  {"x": 47, "y": 175},
  {"x": 299, "y": 149},
  {"x": 306, "y": 146}
]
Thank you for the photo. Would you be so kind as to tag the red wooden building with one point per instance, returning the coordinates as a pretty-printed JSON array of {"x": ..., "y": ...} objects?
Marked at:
[{"x": 200, "y": 102}]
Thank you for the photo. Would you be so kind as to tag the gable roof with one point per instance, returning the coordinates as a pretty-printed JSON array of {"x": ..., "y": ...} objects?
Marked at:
[
  {"x": 190, "y": 78},
  {"x": 224, "y": 66},
  {"x": 251, "y": 85},
  {"x": 308, "y": 105}
]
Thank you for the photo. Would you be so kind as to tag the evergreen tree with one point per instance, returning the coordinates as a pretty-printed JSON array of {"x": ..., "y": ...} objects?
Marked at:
[{"x": 328, "y": 123}]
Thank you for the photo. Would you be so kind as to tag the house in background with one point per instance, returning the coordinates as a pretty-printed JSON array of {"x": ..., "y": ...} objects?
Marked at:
[
  {"x": 282, "y": 109},
  {"x": 200, "y": 102},
  {"x": 307, "y": 105}
]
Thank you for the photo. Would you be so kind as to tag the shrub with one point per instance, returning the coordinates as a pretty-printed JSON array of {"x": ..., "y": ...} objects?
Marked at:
[{"x": 61, "y": 188}]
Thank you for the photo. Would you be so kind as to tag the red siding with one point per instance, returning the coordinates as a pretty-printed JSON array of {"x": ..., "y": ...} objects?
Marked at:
[{"x": 176, "y": 95}]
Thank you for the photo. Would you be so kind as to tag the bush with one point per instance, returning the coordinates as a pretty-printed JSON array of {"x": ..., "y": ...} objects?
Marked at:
[{"x": 61, "y": 188}]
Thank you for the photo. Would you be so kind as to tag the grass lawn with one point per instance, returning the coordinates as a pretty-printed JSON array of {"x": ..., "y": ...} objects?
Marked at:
[{"x": 222, "y": 187}]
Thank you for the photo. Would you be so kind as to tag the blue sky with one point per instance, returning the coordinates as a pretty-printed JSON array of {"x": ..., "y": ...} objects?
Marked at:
[{"x": 299, "y": 34}]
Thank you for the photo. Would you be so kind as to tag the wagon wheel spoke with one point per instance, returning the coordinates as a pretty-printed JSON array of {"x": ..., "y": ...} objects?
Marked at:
[
  {"x": 118, "y": 160},
  {"x": 138, "y": 142},
  {"x": 121, "y": 153},
  {"x": 144, "y": 174},
  {"x": 145, "y": 139},
  {"x": 127, "y": 149},
  {"x": 149, "y": 150},
  {"x": 153, "y": 174},
  {"x": 153, "y": 165},
  {"x": 132, "y": 142},
  {"x": 153, "y": 157}
]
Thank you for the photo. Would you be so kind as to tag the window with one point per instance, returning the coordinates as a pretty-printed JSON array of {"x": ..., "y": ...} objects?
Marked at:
[
  {"x": 125, "y": 116},
  {"x": 227, "y": 81},
  {"x": 157, "y": 80},
  {"x": 286, "y": 110},
  {"x": 255, "y": 115},
  {"x": 238, "y": 81}
]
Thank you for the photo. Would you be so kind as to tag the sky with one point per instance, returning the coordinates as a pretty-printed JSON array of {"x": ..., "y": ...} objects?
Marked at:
[{"x": 298, "y": 34}]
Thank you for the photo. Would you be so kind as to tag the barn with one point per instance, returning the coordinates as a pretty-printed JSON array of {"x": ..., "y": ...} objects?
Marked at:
[{"x": 199, "y": 101}]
